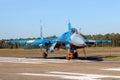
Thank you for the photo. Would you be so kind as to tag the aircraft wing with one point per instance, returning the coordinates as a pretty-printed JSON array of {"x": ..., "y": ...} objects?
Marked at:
[
  {"x": 37, "y": 41},
  {"x": 32, "y": 44},
  {"x": 96, "y": 41}
]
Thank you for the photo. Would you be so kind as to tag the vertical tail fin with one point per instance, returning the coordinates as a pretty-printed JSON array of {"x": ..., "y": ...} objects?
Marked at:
[
  {"x": 69, "y": 26},
  {"x": 41, "y": 33}
]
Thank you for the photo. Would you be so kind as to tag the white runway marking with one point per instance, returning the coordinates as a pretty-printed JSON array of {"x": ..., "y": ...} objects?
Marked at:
[
  {"x": 113, "y": 69},
  {"x": 37, "y": 61},
  {"x": 30, "y": 61},
  {"x": 72, "y": 76},
  {"x": 40, "y": 61}
]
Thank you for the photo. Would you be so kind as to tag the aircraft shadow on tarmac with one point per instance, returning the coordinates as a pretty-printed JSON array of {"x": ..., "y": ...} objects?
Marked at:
[{"x": 91, "y": 58}]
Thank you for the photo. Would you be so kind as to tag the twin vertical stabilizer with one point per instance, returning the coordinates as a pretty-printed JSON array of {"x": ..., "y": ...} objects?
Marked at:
[
  {"x": 41, "y": 33},
  {"x": 69, "y": 26},
  {"x": 41, "y": 30}
]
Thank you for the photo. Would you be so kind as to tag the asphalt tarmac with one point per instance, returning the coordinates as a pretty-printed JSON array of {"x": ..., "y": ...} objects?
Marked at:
[
  {"x": 19, "y": 64},
  {"x": 31, "y": 68}
]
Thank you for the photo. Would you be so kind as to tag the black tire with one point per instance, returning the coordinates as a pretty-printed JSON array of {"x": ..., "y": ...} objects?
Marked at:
[
  {"x": 75, "y": 55},
  {"x": 44, "y": 55}
]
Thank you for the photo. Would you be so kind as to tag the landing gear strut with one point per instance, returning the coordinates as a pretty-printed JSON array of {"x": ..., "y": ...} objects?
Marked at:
[
  {"x": 75, "y": 55},
  {"x": 45, "y": 55}
]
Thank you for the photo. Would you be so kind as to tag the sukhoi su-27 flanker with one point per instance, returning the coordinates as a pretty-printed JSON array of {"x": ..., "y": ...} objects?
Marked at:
[{"x": 70, "y": 41}]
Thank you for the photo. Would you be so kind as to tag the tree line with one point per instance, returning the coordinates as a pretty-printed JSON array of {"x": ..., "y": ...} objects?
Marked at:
[{"x": 115, "y": 37}]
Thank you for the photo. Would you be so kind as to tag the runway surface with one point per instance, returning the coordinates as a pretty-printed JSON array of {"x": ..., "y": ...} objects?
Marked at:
[{"x": 15, "y": 68}]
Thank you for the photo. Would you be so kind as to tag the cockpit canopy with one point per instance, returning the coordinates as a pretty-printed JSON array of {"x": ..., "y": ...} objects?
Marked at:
[{"x": 74, "y": 30}]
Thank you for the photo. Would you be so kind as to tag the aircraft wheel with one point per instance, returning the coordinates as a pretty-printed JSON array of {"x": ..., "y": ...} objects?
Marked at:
[
  {"x": 75, "y": 55},
  {"x": 44, "y": 55}
]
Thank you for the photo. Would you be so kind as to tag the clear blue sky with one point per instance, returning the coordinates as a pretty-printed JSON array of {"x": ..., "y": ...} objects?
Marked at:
[{"x": 21, "y": 18}]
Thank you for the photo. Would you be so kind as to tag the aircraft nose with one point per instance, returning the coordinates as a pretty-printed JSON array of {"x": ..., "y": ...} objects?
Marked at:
[{"x": 77, "y": 40}]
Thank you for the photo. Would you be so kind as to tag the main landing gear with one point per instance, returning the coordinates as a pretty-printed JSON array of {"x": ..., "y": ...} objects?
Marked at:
[
  {"x": 75, "y": 55},
  {"x": 45, "y": 55}
]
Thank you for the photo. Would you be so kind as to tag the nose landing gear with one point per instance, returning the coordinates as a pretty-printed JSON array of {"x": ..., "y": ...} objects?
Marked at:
[{"x": 75, "y": 55}]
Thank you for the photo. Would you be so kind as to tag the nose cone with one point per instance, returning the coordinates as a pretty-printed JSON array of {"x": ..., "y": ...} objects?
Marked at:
[{"x": 77, "y": 40}]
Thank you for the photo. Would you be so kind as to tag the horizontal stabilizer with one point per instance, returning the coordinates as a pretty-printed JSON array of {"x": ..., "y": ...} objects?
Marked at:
[{"x": 17, "y": 41}]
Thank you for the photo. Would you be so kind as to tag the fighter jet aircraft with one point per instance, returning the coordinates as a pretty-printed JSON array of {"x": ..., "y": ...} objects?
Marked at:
[{"x": 70, "y": 40}]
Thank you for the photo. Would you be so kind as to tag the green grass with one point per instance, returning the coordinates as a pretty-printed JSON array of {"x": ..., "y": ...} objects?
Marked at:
[
  {"x": 18, "y": 51},
  {"x": 88, "y": 50},
  {"x": 102, "y": 51}
]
